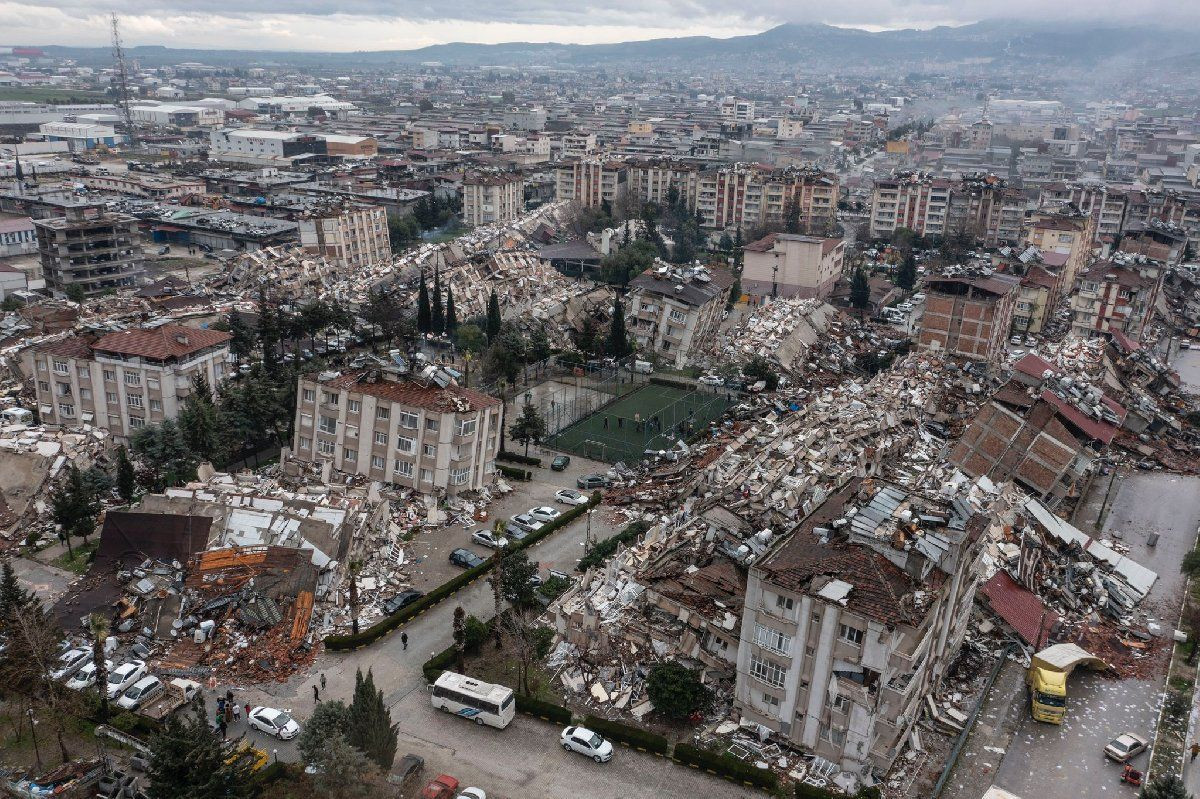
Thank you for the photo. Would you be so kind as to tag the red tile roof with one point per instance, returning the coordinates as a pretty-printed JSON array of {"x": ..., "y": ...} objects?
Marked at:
[
  {"x": 1020, "y": 608},
  {"x": 1034, "y": 366},
  {"x": 69, "y": 347},
  {"x": 412, "y": 393},
  {"x": 1098, "y": 429},
  {"x": 161, "y": 343}
]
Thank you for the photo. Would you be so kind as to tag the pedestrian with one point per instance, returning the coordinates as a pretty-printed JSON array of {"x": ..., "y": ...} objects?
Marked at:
[
  {"x": 228, "y": 713},
  {"x": 606, "y": 421},
  {"x": 237, "y": 712},
  {"x": 223, "y": 727},
  {"x": 404, "y": 640},
  {"x": 1195, "y": 749},
  {"x": 322, "y": 681},
  {"x": 247, "y": 711},
  {"x": 316, "y": 694},
  {"x": 620, "y": 422}
]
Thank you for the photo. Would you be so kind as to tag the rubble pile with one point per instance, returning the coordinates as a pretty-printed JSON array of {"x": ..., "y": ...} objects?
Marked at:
[{"x": 781, "y": 330}]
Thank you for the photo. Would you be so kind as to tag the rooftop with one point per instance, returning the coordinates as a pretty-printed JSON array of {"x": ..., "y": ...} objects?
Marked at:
[
  {"x": 161, "y": 343},
  {"x": 448, "y": 399}
]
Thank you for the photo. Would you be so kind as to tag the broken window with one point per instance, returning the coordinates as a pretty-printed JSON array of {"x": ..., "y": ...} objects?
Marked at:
[
  {"x": 850, "y": 634},
  {"x": 408, "y": 420},
  {"x": 784, "y": 602}
]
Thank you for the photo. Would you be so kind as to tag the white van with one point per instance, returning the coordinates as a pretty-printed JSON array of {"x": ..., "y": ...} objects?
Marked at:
[{"x": 643, "y": 367}]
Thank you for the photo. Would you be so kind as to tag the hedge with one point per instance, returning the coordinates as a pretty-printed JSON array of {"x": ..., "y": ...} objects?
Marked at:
[
  {"x": 726, "y": 766},
  {"x": 433, "y": 668},
  {"x": 516, "y": 457},
  {"x": 603, "y": 550},
  {"x": 389, "y": 623},
  {"x": 272, "y": 773},
  {"x": 623, "y": 733},
  {"x": 547, "y": 710},
  {"x": 514, "y": 474}
]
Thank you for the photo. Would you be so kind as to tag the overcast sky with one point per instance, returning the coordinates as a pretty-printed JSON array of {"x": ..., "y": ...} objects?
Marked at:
[{"x": 406, "y": 24}]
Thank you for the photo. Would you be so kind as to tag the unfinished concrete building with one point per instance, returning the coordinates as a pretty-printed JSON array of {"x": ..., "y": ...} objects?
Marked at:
[
  {"x": 968, "y": 315},
  {"x": 90, "y": 249}
]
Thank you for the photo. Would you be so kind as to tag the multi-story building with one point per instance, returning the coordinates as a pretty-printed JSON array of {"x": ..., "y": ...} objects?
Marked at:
[
  {"x": 590, "y": 181},
  {"x": 81, "y": 136},
  {"x": 791, "y": 265},
  {"x": 1115, "y": 296},
  {"x": 846, "y": 629},
  {"x": 980, "y": 205},
  {"x": 912, "y": 200},
  {"x": 747, "y": 196},
  {"x": 968, "y": 316},
  {"x": 673, "y": 311},
  {"x": 92, "y": 248},
  {"x": 491, "y": 198},
  {"x": 395, "y": 428},
  {"x": 126, "y": 380},
  {"x": 1065, "y": 230},
  {"x": 347, "y": 235},
  {"x": 1105, "y": 205},
  {"x": 152, "y": 187}
]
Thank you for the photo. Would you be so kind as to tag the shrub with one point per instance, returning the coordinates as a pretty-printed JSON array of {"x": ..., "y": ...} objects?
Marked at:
[
  {"x": 623, "y": 733},
  {"x": 804, "y": 791},
  {"x": 726, "y": 766},
  {"x": 603, "y": 550},
  {"x": 476, "y": 631},
  {"x": 547, "y": 710},
  {"x": 272, "y": 773},
  {"x": 516, "y": 457},
  {"x": 514, "y": 474},
  {"x": 433, "y": 668},
  {"x": 676, "y": 691},
  {"x": 124, "y": 721}
]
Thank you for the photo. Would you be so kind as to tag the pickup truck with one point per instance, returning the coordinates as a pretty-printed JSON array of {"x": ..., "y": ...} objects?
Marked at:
[{"x": 179, "y": 692}]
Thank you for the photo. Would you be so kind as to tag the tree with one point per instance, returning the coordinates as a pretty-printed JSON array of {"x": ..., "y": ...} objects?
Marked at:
[
  {"x": 1191, "y": 563},
  {"x": 188, "y": 761},
  {"x": 506, "y": 355},
  {"x": 370, "y": 727},
  {"x": 451, "y": 313},
  {"x": 618, "y": 341},
  {"x": 738, "y": 252},
  {"x": 759, "y": 368},
  {"x": 426, "y": 104},
  {"x": 269, "y": 331},
  {"x": 438, "y": 316},
  {"x": 626, "y": 263},
  {"x": 343, "y": 772},
  {"x": 735, "y": 293},
  {"x": 198, "y": 420},
  {"x": 329, "y": 720},
  {"x": 74, "y": 507},
  {"x": 676, "y": 691},
  {"x": 460, "y": 635},
  {"x": 13, "y": 598},
  {"x": 383, "y": 311},
  {"x": 529, "y": 427},
  {"x": 470, "y": 338},
  {"x": 98, "y": 626},
  {"x": 726, "y": 242},
  {"x": 75, "y": 293},
  {"x": 424, "y": 314},
  {"x": 354, "y": 568},
  {"x": 242, "y": 342},
  {"x": 906, "y": 272},
  {"x": 497, "y": 581},
  {"x": 1165, "y": 786},
  {"x": 516, "y": 581},
  {"x": 164, "y": 456},
  {"x": 860, "y": 290},
  {"x": 493, "y": 316}
]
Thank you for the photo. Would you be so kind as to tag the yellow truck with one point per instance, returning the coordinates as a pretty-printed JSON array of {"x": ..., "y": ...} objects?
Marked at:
[{"x": 1047, "y": 679}]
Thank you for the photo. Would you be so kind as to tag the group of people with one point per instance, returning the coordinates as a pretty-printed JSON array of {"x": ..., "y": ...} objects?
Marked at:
[{"x": 228, "y": 712}]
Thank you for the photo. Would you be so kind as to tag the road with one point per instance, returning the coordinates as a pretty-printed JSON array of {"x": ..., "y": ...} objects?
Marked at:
[
  {"x": 1067, "y": 760},
  {"x": 523, "y": 760}
]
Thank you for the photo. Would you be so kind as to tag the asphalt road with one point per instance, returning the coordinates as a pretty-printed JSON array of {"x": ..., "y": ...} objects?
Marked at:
[{"x": 1067, "y": 760}]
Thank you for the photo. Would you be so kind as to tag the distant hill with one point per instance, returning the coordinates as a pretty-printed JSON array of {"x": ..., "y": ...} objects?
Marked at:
[{"x": 814, "y": 45}]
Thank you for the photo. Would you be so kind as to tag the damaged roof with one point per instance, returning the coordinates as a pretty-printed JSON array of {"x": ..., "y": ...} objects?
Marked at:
[{"x": 412, "y": 393}]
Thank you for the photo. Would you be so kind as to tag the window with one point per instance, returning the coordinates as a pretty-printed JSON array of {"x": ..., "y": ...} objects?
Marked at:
[
  {"x": 308, "y": 395},
  {"x": 1090, "y": 285},
  {"x": 111, "y": 397},
  {"x": 677, "y": 316},
  {"x": 426, "y": 476},
  {"x": 836, "y": 737},
  {"x": 133, "y": 400},
  {"x": 133, "y": 379},
  {"x": 851, "y": 634},
  {"x": 771, "y": 701},
  {"x": 784, "y": 603},
  {"x": 110, "y": 375},
  {"x": 85, "y": 393},
  {"x": 43, "y": 386},
  {"x": 84, "y": 371},
  {"x": 772, "y": 639},
  {"x": 841, "y": 704},
  {"x": 41, "y": 366},
  {"x": 156, "y": 405},
  {"x": 466, "y": 427},
  {"x": 404, "y": 468},
  {"x": 64, "y": 389},
  {"x": 305, "y": 443},
  {"x": 381, "y": 438},
  {"x": 66, "y": 409},
  {"x": 431, "y": 425},
  {"x": 353, "y": 406},
  {"x": 331, "y": 398},
  {"x": 377, "y": 462},
  {"x": 328, "y": 424},
  {"x": 60, "y": 367},
  {"x": 405, "y": 444},
  {"x": 459, "y": 476},
  {"x": 325, "y": 447},
  {"x": 429, "y": 450},
  {"x": 306, "y": 420},
  {"x": 408, "y": 420},
  {"x": 383, "y": 414},
  {"x": 349, "y": 454},
  {"x": 152, "y": 383},
  {"x": 136, "y": 422},
  {"x": 766, "y": 671}
]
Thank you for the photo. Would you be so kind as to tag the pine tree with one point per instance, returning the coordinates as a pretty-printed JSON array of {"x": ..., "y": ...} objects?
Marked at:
[
  {"x": 369, "y": 726},
  {"x": 242, "y": 342},
  {"x": 189, "y": 761},
  {"x": 98, "y": 626},
  {"x": 437, "y": 318},
  {"x": 618, "y": 341},
  {"x": 198, "y": 420},
  {"x": 906, "y": 273},
  {"x": 451, "y": 313},
  {"x": 529, "y": 427},
  {"x": 12, "y": 596},
  {"x": 459, "y": 621},
  {"x": 1165, "y": 786},
  {"x": 738, "y": 254},
  {"x": 75, "y": 507},
  {"x": 424, "y": 316},
  {"x": 125, "y": 477},
  {"x": 493, "y": 317},
  {"x": 268, "y": 332},
  {"x": 860, "y": 290}
]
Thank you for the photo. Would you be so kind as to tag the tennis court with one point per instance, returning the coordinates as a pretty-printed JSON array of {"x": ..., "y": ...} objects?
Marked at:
[{"x": 652, "y": 417}]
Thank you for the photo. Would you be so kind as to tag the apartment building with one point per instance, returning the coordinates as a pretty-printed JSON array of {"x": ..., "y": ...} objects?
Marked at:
[
  {"x": 979, "y": 204},
  {"x": 968, "y": 315},
  {"x": 672, "y": 311},
  {"x": 492, "y": 198},
  {"x": 1067, "y": 231},
  {"x": 590, "y": 181},
  {"x": 122, "y": 381},
  {"x": 847, "y": 627},
  {"x": 1114, "y": 296},
  {"x": 347, "y": 235},
  {"x": 392, "y": 427},
  {"x": 791, "y": 265},
  {"x": 747, "y": 196},
  {"x": 912, "y": 200},
  {"x": 1106, "y": 206},
  {"x": 92, "y": 248}
]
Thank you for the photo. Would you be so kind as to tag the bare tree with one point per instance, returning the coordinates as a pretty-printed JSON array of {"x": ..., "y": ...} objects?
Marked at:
[
  {"x": 497, "y": 580},
  {"x": 33, "y": 640},
  {"x": 98, "y": 625}
]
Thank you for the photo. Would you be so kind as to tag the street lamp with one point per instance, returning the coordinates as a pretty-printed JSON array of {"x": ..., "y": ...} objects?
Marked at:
[{"x": 588, "y": 543}]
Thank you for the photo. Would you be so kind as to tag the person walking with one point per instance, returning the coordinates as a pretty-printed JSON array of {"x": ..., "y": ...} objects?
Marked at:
[
  {"x": 404, "y": 640},
  {"x": 237, "y": 712},
  {"x": 322, "y": 681},
  {"x": 316, "y": 694},
  {"x": 223, "y": 726},
  {"x": 1195, "y": 749}
]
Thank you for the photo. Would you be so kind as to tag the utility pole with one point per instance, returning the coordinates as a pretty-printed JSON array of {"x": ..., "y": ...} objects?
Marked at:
[{"x": 122, "y": 80}]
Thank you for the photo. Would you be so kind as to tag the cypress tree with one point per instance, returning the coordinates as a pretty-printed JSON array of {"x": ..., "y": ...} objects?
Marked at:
[
  {"x": 424, "y": 317},
  {"x": 618, "y": 343},
  {"x": 438, "y": 318},
  {"x": 451, "y": 314},
  {"x": 493, "y": 316},
  {"x": 370, "y": 728},
  {"x": 125, "y": 476}
]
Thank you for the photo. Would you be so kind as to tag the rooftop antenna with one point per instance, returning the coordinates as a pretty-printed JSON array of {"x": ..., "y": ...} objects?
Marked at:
[{"x": 122, "y": 80}]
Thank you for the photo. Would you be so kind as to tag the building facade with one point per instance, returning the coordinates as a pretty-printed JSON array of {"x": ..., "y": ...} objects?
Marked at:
[
  {"x": 791, "y": 265},
  {"x": 492, "y": 199},
  {"x": 1118, "y": 297},
  {"x": 91, "y": 248},
  {"x": 126, "y": 380},
  {"x": 673, "y": 311},
  {"x": 978, "y": 205},
  {"x": 350, "y": 236},
  {"x": 397, "y": 429},
  {"x": 968, "y": 316}
]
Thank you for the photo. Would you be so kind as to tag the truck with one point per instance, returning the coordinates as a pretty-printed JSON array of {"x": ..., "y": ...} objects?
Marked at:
[
  {"x": 178, "y": 693},
  {"x": 1047, "y": 679}
]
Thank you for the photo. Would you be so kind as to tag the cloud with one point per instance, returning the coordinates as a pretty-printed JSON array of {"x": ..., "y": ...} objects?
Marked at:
[{"x": 377, "y": 24}]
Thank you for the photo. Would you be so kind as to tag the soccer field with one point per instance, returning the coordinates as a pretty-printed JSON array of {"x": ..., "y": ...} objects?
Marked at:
[{"x": 652, "y": 417}]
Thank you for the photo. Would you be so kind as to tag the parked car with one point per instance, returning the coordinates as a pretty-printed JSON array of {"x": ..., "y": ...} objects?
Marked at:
[
  {"x": 560, "y": 462},
  {"x": 472, "y": 793},
  {"x": 140, "y": 692},
  {"x": 1014, "y": 340},
  {"x": 593, "y": 481},
  {"x": 1125, "y": 747},
  {"x": 124, "y": 676},
  {"x": 401, "y": 601},
  {"x": 569, "y": 496},
  {"x": 710, "y": 380},
  {"x": 86, "y": 676},
  {"x": 69, "y": 662},
  {"x": 545, "y": 513},
  {"x": 465, "y": 558},
  {"x": 586, "y": 742},
  {"x": 443, "y": 787},
  {"x": 486, "y": 538},
  {"x": 274, "y": 722},
  {"x": 523, "y": 521}
]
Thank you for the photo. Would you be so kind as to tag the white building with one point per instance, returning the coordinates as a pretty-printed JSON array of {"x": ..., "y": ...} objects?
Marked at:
[
  {"x": 791, "y": 265},
  {"x": 351, "y": 236},
  {"x": 492, "y": 198},
  {"x": 177, "y": 116},
  {"x": 17, "y": 237},
  {"x": 80, "y": 136}
]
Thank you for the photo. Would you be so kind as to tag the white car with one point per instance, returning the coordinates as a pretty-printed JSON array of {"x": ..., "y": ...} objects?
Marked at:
[
  {"x": 523, "y": 521},
  {"x": 569, "y": 496},
  {"x": 274, "y": 722},
  {"x": 140, "y": 692},
  {"x": 544, "y": 514},
  {"x": 70, "y": 662},
  {"x": 124, "y": 676},
  {"x": 1125, "y": 747},
  {"x": 710, "y": 380},
  {"x": 86, "y": 676},
  {"x": 472, "y": 793},
  {"x": 486, "y": 538},
  {"x": 586, "y": 742}
]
